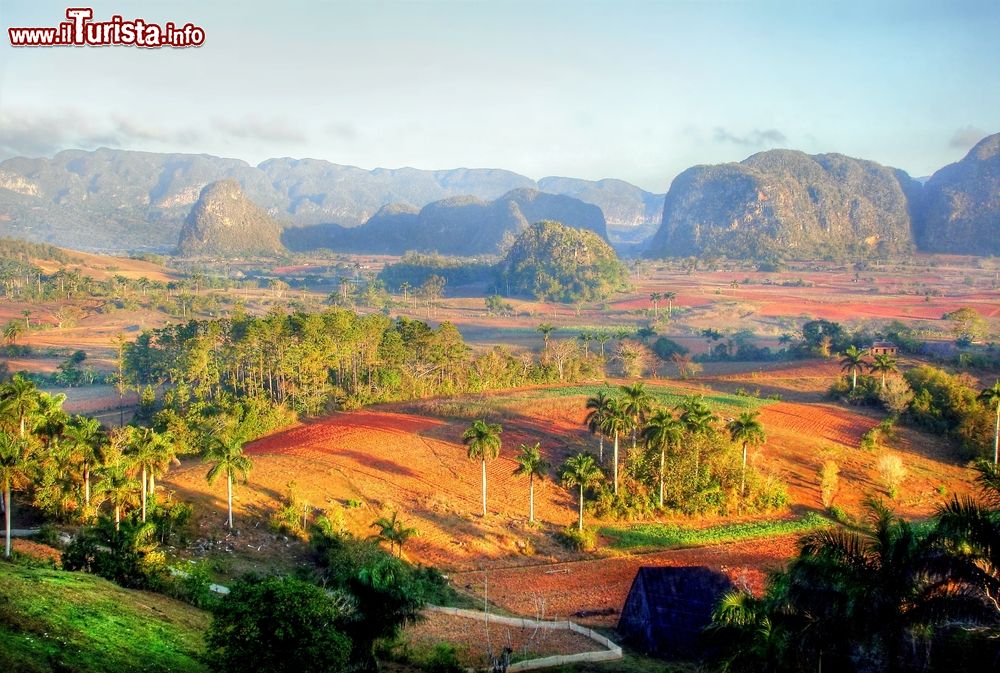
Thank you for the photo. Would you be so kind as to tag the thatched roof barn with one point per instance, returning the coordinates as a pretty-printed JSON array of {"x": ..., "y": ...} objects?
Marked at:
[{"x": 667, "y": 608}]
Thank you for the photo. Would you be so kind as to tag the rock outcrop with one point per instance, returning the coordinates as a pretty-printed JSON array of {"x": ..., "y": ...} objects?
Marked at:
[{"x": 224, "y": 222}]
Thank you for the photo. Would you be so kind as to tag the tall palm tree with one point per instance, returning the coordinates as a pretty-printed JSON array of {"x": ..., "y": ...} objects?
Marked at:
[
  {"x": 602, "y": 337},
  {"x": 531, "y": 464},
  {"x": 84, "y": 435},
  {"x": 19, "y": 399},
  {"x": 146, "y": 454},
  {"x": 546, "y": 330},
  {"x": 616, "y": 422},
  {"x": 851, "y": 360},
  {"x": 165, "y": 452},
  {"x": 13, "y": 474},
  {"x": 991, "y": 398},
  {"x": 670, "y": 296},
  {"x": 225, "y": 454},
  {"x": 483, "y": 440},
  {"x": 582, "y": 472},
  {"x": 746, "y": 430},
  {"x": 599, "y": 407},
  {"x": 655, "y": 298},
  {"x": 883, "y": 364},
  {"x": 637, "y": 403},
  {"x": 662, "y": 432},
  {"x": 697, "y": 419},
  {"x": 392, "y": 530},
  {"x": 117, "y": 486}
]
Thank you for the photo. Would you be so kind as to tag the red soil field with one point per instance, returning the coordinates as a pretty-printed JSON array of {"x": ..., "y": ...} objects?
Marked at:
[
  {"x": 409, "y": 458},
  {"x": 471, "y": 638},
  {"x": 559, "y": 590}
]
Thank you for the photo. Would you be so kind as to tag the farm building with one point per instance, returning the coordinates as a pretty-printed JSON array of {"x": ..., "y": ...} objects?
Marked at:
[
  {"x": 667, "y": 608},
  {"x": 884, "y": 348}
]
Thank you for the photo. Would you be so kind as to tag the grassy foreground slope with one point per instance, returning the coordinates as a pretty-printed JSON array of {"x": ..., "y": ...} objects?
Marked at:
[{"x": 52, "y": 620}]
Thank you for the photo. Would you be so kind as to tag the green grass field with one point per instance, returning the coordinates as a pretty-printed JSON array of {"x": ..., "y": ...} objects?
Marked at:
[
  {"x": 664, "y": 395},
  {"x": 647, "y": 537},
  {"x": 51, "y": 620}
]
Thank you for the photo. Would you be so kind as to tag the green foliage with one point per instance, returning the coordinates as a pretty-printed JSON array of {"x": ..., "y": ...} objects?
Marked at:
[
  {"x": 968, "y": 326},
  {"x": 53, "y": 621},
  {"x": 864, "y": 599},
  {"x": 127, "y": 555},
  {"x": 947, "y": 404},
  {"x": 666, "y": 536},
  {"x": 552, "y": 261},
  {"x": 278, "y": 624},
  {"x": 577, "y": 539},
  {"x": 193, "y": 585},
  {"x": 387, "y": 592},
  {"x": 415, "y": 268}
]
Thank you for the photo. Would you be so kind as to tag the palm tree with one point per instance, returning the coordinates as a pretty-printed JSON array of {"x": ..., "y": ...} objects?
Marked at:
[
  {"x": 12, "y": 331},
  {"x": 746, "y": 430},
  {"x": 531, "y": 463},
  {"x": 600, "y": 407},
  {"x": 19, "y": 398},
  {"x": 655, "y": 298},
  {"x": 392, "y": 530},
  {"x": 483, "y": 440},
  {"x": 84, "y": 435},
  {"x": 851, "y": 360},
  {"x": 225, "y": 453},
  {"x": 991, "y": 398},
  {"x": 663, "y": 432},
  {"x": 636, "y": 403},
  {"x": 50, "y": 419},
  {"x": 670, "y": 296},
  {"x": 884, "y": 364},
  {"x": 602, "y": 338},
  {"x": 697, "y": 419},
  {"x": 616, "y": 422},
  {"x": 851, "y": 596},
  {"x": 118, "y": 487},
  {"x": 546, "y": 330},
  {"x": 580, "y": 471},
  {"x": 13, "y": 474},
  {"x": 146, "y": 455}
]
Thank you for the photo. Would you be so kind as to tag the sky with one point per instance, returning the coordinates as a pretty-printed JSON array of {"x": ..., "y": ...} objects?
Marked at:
[{"x": 631, "y": 90}]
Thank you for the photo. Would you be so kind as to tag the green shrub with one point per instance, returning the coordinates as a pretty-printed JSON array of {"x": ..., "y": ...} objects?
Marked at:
[{"x": 578, "y": 540}]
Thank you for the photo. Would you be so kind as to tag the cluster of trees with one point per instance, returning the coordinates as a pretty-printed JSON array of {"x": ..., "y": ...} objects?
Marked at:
[
  {"x": 414, "y": 269},
  {"x": 887, "y": 596},
  {"x": 73, "y": 469},
  {"x": 930, "y": 398},
  {"x": 308, "y": 361},
  {"x": 687, "y": 461}
]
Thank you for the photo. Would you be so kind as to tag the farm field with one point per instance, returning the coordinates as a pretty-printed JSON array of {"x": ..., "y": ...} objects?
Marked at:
[
  {"x": 473, "y": 639},
  {"x": 408, "y": 458},
  {"x": 592, "y": 591}
]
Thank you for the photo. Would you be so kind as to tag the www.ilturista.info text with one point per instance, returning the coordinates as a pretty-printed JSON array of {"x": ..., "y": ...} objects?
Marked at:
[{"x": 81, "y": 31}]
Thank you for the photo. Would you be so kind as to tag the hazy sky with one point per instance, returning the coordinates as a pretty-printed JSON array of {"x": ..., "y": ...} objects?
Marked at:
[{"x": 635, "y": 90}]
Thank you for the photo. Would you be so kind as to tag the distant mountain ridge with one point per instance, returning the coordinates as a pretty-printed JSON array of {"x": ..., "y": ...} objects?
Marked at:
[
  {"x": 960, "y": 204},
  {"x": 120, "y": 200},
  {"x": 784, "y": 203},
  {"x": 462, "y": 225},
  {"x": 787, "y": 203}
]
